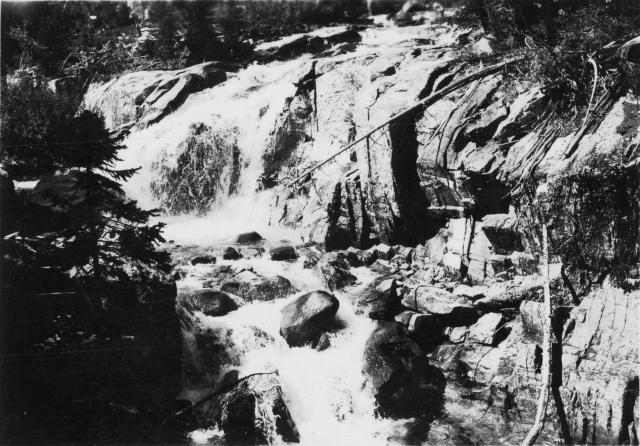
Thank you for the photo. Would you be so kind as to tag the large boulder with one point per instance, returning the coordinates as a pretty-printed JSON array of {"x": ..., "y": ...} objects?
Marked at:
[
  {"x": 284, "y": 252},
  {"x": 251, "y": 286},
  {"x": 307, "y": 317},
  {"x": 252, "y": 411},
  {"x": 212, "y": 302},
  {"x": 404, "y": 384},
  {"x": 249, "y": 238}
]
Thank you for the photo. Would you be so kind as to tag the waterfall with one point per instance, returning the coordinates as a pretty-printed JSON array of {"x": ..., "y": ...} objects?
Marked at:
[{"x": 223, "y": 131}]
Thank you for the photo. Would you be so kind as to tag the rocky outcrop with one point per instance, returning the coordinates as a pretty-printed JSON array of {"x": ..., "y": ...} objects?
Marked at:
[
  {"x": 595, "y": 364},
  {"x": 307, "y": 317},
  {"x": 145, "y": 97}
]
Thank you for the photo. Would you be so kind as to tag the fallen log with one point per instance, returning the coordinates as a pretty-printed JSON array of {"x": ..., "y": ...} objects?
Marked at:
[{"x": 432, "y": 98}]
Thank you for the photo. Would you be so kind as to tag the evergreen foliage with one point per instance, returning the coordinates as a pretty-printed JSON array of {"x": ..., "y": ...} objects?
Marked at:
[{"x": 78, "y": 218}]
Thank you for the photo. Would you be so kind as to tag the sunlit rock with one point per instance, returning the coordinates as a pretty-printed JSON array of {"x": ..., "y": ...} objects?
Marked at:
[{"x": 307, "y": 317}]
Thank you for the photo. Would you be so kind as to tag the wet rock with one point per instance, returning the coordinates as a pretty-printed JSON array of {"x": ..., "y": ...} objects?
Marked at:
[
  {"x": 380, "y": 300},
  {"x": 427, "y": 330},
  {"x": 203, "y": 260},
  {"x": 322, "y": 343},
  {"x": 251, "y": 286},
  {"x": 453, "y": 310},
  {"x": 486, "y": 330},
  {"x": 283, "y": 253},
  {"x": 307, "y": 317},
  {"x": 335, "y": 269},
  {"x": 249, "y": 238},
  {"x": 231, "y": 254},
  {"x": 251, "y": 412},
  {"x": 145, "y": 97},
  {"x": 212, "y": 302},
  {"x": 404, "y": 383},
  {"x": 251, "y": 253}
]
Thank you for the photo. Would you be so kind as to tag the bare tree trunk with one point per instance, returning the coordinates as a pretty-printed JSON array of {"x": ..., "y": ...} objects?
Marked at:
[{"x": 545, "y": 377}]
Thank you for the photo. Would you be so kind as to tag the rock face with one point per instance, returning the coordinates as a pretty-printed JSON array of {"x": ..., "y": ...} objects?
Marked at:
[
  {"x": 404, "y": 384},
  {"x": 145, "y": 97},
  {"x": 307, "y": 317},
  {"x": 597, "y": 364}
]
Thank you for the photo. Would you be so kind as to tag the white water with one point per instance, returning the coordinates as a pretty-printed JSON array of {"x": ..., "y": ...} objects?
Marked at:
[
  {"x": 243, "y": 111},
  {"x": 325, "y": 390}
]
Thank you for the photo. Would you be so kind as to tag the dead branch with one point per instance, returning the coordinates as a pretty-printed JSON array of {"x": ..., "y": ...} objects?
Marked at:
[{"x": 434, "y": 97}]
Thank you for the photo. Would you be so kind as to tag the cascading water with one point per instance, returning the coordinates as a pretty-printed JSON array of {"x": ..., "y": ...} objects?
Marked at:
[
  {"x": 325, "y": 390},
  {"x": 239, "y": 116},
  {"x": 203, "y": 164}
]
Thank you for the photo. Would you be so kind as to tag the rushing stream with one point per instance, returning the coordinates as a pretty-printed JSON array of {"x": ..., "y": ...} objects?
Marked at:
[
  {"x": 324, "y": 389},
  {"x": 219, "y": 138}
]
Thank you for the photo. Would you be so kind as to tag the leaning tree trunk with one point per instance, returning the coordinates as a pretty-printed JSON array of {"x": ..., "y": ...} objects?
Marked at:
[{"x": 545, "y": 377}]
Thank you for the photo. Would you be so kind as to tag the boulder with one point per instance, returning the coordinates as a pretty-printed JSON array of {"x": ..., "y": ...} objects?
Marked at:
[
  {"x": 307, "y": 317},
  {"x": 284, "y": 252},
  {"x": 249, "y": 238},
  {"x": 452, "y": 310},
  {"x": 486, "y": 330},
  {"x": 379, "y": 300},
  {"x": 404, "y": 383},
  {"x": 212, "y": 302},
  {"x": 203, "y": 260},
  {"x": 252, "y": 252},
  {"x": 231, "y": 254},
  {"x": 251, "y": 286},
  {"x": 251, "y": 412}
]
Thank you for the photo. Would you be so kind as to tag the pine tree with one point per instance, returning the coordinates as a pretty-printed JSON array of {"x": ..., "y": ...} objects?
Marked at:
[{"x": 80, "y": 218}]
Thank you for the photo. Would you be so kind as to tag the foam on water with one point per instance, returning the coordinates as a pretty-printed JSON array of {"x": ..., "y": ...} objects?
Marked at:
[{"x": 324, "y": 390}]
